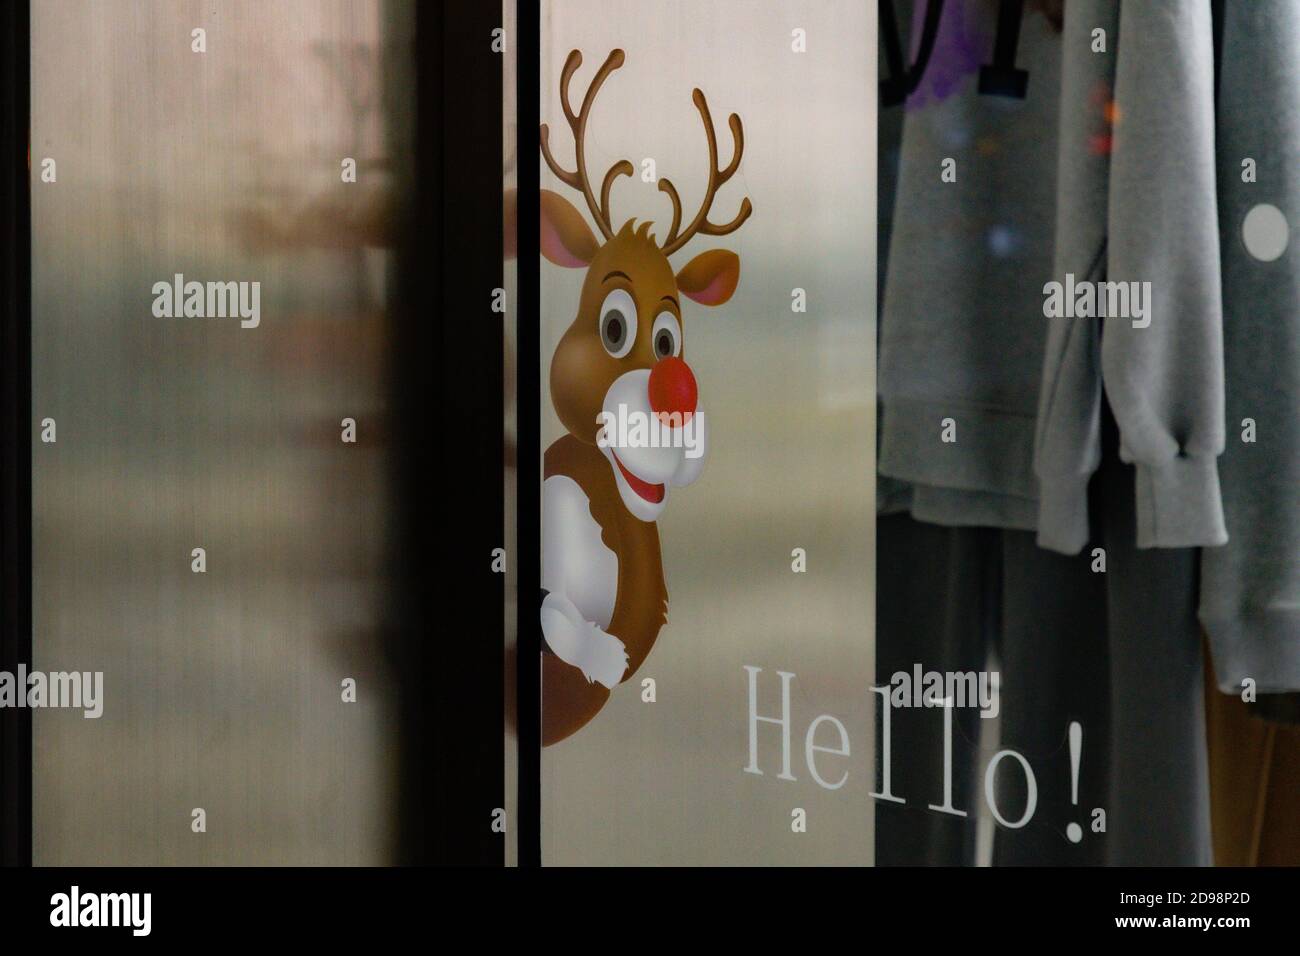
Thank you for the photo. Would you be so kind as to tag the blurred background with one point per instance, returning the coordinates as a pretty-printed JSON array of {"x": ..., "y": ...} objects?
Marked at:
[{"x": 222, "y": 689}]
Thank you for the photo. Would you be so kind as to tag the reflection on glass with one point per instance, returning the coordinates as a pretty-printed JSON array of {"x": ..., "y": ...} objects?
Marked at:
[{"x": 222, "y": 157}]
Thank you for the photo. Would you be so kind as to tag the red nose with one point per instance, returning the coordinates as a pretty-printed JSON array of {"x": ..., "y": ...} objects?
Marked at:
[{"x": 673, "y": 391}]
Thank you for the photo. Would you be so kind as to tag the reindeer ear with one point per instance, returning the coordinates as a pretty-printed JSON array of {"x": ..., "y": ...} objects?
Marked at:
[
  {"x": 711, "y": 277},
  {"x": 566, "y": 240}
]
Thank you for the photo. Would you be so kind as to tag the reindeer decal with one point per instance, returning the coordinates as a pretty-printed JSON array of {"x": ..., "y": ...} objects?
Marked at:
[{"x": 604, "y": 598}]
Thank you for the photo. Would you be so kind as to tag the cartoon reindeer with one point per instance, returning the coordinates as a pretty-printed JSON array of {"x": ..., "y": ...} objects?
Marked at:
[{"x": 604, "y": 598}]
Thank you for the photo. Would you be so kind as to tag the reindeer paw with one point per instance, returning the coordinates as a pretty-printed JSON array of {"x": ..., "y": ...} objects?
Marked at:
[
  {"x": 599, "y": 655},
  {"x": 604, "y": 659}
]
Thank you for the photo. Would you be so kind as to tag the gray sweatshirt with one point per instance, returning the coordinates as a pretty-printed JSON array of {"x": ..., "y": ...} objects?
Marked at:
[
  {"x": 1250, "y": 589},
  {"x": 1173, "y": 204},
  {"x": 1142, "y": 212},
  {"x": 991, "y": 410},
  {"x": 962, "y": 329},
  {"x": 1107, "y": 172}
]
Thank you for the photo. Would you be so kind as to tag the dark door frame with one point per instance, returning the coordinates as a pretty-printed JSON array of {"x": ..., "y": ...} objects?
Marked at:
[{"x": 15, "y": 427}]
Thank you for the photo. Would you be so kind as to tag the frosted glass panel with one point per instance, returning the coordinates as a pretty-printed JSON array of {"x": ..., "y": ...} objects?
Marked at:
[
  {"x": 784, "y": 372},
  {"x": 219, "y": 157}
]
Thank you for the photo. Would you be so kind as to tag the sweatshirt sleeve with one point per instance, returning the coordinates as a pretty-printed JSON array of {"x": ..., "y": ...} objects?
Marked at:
[
  {"x": 1162, "y": 366},
  {"x": 1067, "y": 441}
]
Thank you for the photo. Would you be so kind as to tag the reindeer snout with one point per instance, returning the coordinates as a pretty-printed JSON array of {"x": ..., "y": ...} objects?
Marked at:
[{"x": 672, "y": 392}]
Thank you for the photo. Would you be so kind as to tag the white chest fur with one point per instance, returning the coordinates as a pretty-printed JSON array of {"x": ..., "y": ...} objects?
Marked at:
[{"x": 575, "y": 562}]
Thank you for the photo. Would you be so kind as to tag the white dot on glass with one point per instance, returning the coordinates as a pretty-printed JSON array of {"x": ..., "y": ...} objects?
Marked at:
[{"x": 1265, "y": 232}]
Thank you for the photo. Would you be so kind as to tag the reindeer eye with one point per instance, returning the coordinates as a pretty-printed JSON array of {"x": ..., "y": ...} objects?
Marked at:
[
  {"x": 618, "y": 323},
  {"x": 666, "y": 336}
]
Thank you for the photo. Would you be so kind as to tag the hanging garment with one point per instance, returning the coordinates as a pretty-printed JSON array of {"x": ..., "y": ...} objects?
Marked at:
[
  {"x": 1136, "y": 187},
  {"x": 1223, "y": 330},
  {"x": 984, "y": 414},
  {"x": 962, "y": 329},
  {"x": 1250, "y": 601},
  {"x": 1119, "y": 652}
]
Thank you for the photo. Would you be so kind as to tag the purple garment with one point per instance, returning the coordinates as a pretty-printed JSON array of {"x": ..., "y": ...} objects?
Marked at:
[{"x": 960, "y": 48}]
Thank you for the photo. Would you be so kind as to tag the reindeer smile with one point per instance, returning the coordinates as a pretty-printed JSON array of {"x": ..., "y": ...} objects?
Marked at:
[
  {"x": 653, "y": 433},
  {"x": 651, "y": 493}
]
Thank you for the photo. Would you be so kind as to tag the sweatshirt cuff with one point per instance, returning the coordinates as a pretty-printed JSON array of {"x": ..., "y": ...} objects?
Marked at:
[
  {"x": 1178, "y": 504},
  {"x": 1063, "y": 512}
]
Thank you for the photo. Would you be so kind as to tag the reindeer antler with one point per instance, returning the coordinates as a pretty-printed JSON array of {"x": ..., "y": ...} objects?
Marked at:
[
  {"x": 578, "y": 178},
  {"x": 700, "y": 224}
]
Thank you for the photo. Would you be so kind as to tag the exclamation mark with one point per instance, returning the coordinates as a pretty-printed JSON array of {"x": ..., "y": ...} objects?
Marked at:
[{"x": 1074, "y": 831}]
